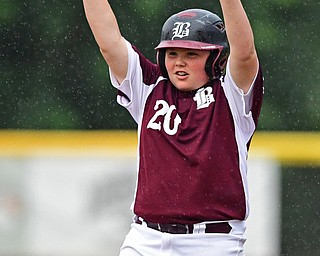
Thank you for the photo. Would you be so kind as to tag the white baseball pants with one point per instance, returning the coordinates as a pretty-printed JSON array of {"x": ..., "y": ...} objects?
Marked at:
[{"x": 144, "y": 241}]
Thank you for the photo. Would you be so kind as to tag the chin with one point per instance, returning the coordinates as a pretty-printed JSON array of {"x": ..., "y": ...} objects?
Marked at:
[
  {"x": 183, "y": 88},
  {"x": 186, "y": 89}
]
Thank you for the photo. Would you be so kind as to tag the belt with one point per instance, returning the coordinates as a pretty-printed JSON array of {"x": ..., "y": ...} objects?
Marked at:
[{"x": 219, "y": 227}]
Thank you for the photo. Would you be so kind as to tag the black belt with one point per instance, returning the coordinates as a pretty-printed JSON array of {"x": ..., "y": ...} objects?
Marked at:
[{"x": 219, "y": 227}]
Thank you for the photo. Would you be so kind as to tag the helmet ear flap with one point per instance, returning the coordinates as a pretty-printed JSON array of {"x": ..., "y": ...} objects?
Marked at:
[
  {"x": 222, "y": 65},
  {"x": 161, "y": 54},
  {"x": 210, "y": 64},
  {"x": 216, "y": 64}
]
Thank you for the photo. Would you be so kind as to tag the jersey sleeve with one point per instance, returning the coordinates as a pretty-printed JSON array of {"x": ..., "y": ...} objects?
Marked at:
[
  {"x": 135, "y": 88},
  {"x": 245, "y": 107}
]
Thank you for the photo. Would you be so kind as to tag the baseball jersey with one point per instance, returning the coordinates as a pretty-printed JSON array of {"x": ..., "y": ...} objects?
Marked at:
[{"x": 192, "y": 145}]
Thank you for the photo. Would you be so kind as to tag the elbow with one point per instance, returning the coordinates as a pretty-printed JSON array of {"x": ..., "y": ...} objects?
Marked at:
[
  {"x": 246, "y": 54},
  {"x": 243, "y": 47}
]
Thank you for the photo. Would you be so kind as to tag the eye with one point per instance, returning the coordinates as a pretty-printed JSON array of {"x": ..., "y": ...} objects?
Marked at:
[
  {"x": 192, "y": 54},
  {"x": 172, "y": 53}
]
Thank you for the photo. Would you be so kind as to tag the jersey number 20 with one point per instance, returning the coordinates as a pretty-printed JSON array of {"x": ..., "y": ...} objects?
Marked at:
[{"x": 163, "y": 109}]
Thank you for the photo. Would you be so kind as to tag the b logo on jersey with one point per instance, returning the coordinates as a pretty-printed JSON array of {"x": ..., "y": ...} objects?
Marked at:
[
  {"x": 204, "y": 97},
  {"x": 181, "y": 30}
]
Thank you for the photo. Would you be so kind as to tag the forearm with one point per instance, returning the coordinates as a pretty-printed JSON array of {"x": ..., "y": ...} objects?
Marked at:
[
  {"x": 102, "y": 22},
  {"x": 106, "y": 31},
  {"x": 238, "y": 28}
]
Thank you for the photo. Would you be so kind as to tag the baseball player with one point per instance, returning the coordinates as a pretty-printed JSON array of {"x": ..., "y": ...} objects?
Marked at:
[{"x": 196, "y": 109}]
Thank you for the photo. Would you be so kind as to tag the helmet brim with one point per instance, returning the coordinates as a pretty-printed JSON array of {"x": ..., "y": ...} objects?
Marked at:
[{"x": 188, "y": 45}]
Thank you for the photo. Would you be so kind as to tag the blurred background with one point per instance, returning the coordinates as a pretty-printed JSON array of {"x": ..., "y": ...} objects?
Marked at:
[{"x": 67, "y": 150}]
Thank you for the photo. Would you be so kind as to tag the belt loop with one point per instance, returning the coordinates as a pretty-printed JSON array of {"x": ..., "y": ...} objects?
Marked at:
[
  {"x": 143, "y": 223},
  {"x": 199, "y": 228}
]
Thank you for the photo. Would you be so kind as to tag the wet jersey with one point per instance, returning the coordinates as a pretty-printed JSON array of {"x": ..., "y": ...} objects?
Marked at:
[{"x": 192, "y": 146}]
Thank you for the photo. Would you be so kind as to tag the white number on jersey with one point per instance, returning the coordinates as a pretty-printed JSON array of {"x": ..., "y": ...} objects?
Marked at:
[{"x": 163, "y": 109}]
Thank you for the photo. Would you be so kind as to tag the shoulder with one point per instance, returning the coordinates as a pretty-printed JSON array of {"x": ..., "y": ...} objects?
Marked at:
[{"x": 138, "y": 62}]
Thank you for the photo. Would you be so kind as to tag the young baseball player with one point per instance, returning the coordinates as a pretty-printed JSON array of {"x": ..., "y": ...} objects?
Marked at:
[{"x": 196, "y": 109}]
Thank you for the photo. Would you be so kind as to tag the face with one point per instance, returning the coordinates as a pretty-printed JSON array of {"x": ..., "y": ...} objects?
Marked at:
[{"x": 186, "y": 68}]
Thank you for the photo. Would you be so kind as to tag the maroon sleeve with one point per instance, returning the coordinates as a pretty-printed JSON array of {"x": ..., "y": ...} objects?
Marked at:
[
  {"x": 150, "y": 70},
  {"x": 258, "y": 91}
]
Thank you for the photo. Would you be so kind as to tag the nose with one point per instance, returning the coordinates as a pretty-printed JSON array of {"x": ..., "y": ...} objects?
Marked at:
[{"x": 180, "y": 61}]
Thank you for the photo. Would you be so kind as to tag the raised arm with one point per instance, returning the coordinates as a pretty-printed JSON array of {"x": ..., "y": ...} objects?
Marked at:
[
  {"x": 243, "y": 56},
  {"x": 107, "y": 34}
]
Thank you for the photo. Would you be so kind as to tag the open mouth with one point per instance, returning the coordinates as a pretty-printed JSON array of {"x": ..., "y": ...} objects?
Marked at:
[{"x": 181, "y": 73}]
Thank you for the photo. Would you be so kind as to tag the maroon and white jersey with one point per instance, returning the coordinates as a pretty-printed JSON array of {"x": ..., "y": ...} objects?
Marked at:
[{"x": 192, "y": 145}]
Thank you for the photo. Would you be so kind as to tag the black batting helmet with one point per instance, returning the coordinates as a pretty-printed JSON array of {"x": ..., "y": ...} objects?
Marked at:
[{"x": 196, "y": 29}]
